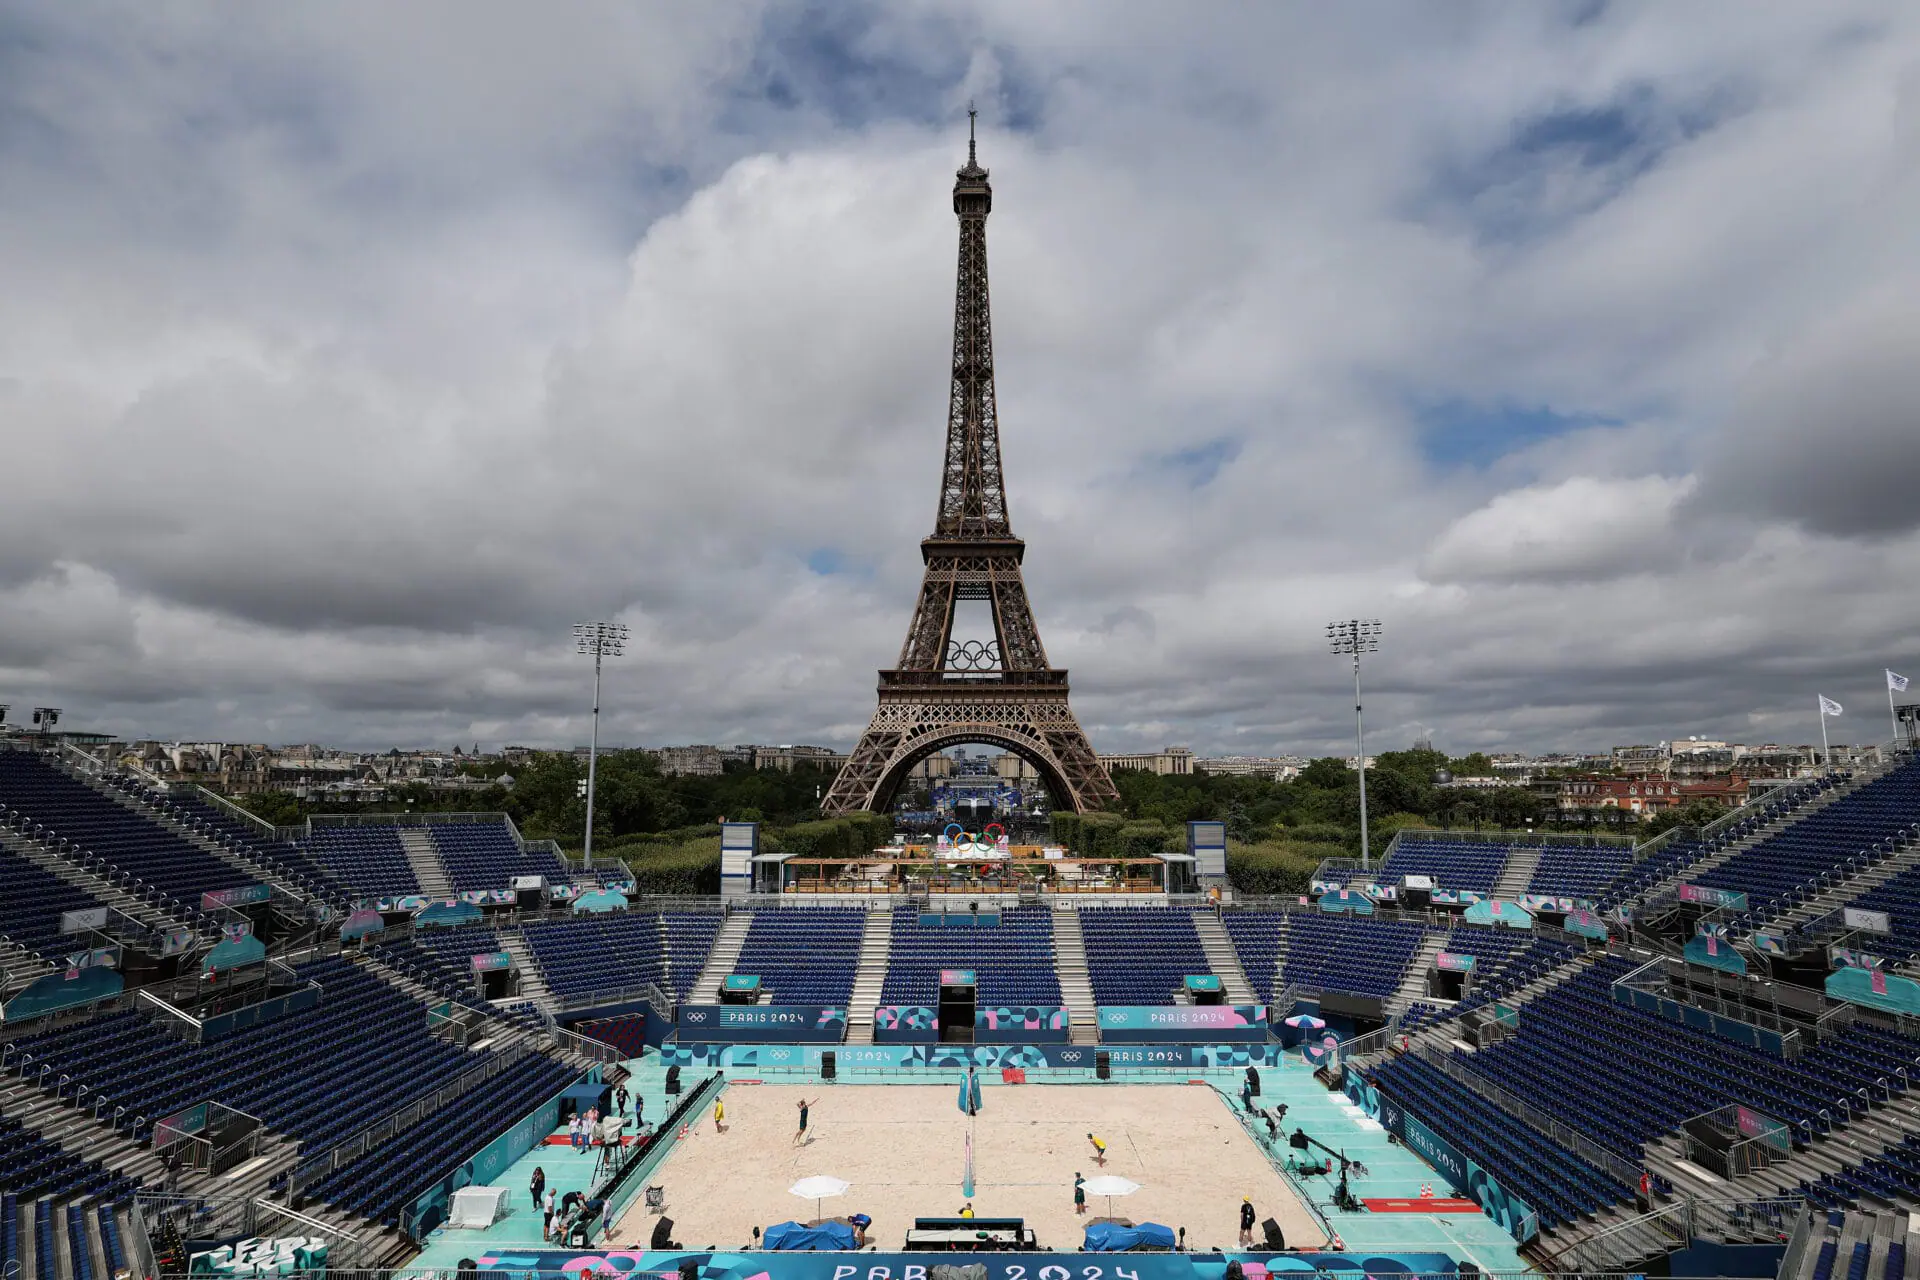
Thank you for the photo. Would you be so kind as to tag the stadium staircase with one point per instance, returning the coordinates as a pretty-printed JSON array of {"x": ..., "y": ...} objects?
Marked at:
[
  {"x": 533, "y": 983},
  {"x": 1882, "y": 1246},
  {"x": 233, "y": 857},
  {"x": 1413, "y": 985},
  {"x": 1522, "y": 862},
  {"x": 876, "y": 948},
  {"x": 1668, "y": 887},
  {"x": 1223, "y": 959},
  {"x": 722, "y": 959},
  {"x": 1070, "y": 967},
  {"x": 1885, "y": 1124},
  {"x": 424, "y": 857},
  {"x": 1850, "y": 889},
  {"x": 103, "y": 890}
]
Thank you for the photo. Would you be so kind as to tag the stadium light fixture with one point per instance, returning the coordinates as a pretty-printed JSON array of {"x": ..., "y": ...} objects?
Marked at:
[
  {"x": 602, "y": 640},
  {"x": 46, "y": 718},
  {"x": 1357, "y": 636}
]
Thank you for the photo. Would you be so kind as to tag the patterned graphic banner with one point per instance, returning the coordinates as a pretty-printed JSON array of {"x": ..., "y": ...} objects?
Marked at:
[
  {"x": 763, "y": 1022},
  {"x": 1020, "y": 1024},
  {"x": 1713, "y": 897},
  {"x": 1462, "y": 1174},
  {"x": 1128, "y": 1022},
  {"x": 904, "y": 1024},
  {"x": 996, "y": 1266},
  {"x": 987, "y": 1057}
]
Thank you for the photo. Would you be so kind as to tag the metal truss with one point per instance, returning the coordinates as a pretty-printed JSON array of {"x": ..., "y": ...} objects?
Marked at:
[{"x": 943, "y": 693}]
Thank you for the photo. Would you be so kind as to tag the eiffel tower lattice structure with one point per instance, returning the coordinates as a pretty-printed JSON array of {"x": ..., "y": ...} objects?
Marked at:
[{"x": 946, "y": 691}]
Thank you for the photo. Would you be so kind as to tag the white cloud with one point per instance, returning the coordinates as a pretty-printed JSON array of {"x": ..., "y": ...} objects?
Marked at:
[
  {"x": 1579, "y": 529},
  {"x": 343, "y": 364}
]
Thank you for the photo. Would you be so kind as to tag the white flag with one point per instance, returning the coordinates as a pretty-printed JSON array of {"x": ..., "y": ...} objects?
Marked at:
[
  {"x": 1828, "y": 707},
  {"x": 1896, "y": 683}
]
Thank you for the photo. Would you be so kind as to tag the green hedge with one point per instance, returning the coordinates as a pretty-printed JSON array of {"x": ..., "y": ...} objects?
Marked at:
[
  {"x": 855, "y": 836},
  {"x": 1108, "y": 835},
  {"x": 690, "y": 868},
  {"x": 1276, "y": 867}
]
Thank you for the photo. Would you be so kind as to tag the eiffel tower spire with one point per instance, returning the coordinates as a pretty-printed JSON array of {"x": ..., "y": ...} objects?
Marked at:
[{"x": 944, "y": 692}]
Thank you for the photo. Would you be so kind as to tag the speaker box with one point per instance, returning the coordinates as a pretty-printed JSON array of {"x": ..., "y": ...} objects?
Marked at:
[
  {"x": 828, "y": 1065},
  {"x": 662, "y": 1234},
  {"x": 1275, "y": 1241},
  {"x": 1102, "y": 1065},
  {"x": 673, "y": 1081}
]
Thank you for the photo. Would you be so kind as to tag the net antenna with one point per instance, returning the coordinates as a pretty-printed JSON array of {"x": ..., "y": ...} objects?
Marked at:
[{"x": 1354, "y": 637}]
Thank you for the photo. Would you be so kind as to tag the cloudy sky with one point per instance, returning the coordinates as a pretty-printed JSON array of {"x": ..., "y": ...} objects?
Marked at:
[{"x": 349, "y": 353}]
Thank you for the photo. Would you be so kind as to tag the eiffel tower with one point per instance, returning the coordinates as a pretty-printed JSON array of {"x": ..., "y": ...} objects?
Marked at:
[{"x": 946, "y": 691}]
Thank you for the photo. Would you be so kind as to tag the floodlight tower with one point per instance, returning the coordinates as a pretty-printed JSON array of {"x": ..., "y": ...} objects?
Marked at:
[
  {"x": 1357, "y": 636},
  {"x": 602, "y": 640},
  {"x": 46, "y": 718}
]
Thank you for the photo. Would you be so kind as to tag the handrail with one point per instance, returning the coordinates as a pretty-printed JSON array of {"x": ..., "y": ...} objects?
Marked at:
[
  {"x": 311, "y": 1170},
  {"x": 233, "y": 810},
  {"x": 1592, "y": 1254},
  {"x": 1615, "y": 1166}
]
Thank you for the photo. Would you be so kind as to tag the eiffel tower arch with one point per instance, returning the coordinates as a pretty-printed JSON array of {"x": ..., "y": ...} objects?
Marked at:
[{"x": 944, "y": 691}]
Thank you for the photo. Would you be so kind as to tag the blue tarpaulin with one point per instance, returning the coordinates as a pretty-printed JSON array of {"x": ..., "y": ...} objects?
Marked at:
[
  {"x": 1111, "y": 1237},
  {"x": 792, "y": 1236}
]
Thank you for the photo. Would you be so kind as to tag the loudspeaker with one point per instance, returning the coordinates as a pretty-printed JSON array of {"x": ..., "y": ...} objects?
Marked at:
[
  {"x": 1102, "y": 1065},
  {"x": 662, "y": 1234},
  {"x": 1275, "y": 1240},
  {"x": 828, "y": 1066},
  {"x": 673, "y": 1081}
]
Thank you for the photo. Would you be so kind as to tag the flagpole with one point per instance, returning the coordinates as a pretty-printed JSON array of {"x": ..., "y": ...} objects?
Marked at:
[{"x": 1826, "y": 754}]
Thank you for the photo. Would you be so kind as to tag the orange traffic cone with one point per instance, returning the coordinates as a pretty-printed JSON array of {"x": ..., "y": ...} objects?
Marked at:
[{"x": 1426, "y": 1191}]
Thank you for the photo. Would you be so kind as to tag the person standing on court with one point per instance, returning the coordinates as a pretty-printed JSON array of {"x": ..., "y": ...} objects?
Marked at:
[
  {"x": 1079, "y": 1194},
  {"x": 538, "y": 1185},
  {"x": 719, "y": 1115},
  {"x": 1099, "y": 1150},
  {"x": 800, "y": 1134},
  {"x": 620, "y": 1100},
  {"x": 1246, "y": 1223},
  {"x": 546, "y": 1229}
]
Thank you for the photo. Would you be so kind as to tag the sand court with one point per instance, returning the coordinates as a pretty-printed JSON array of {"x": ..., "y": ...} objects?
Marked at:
[{"x": 902, "y": 1147}]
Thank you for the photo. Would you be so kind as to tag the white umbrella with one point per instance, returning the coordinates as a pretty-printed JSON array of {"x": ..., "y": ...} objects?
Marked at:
[
  {"x": 1110, "y": 1185},
  {"x": 818, "y": 1188}
]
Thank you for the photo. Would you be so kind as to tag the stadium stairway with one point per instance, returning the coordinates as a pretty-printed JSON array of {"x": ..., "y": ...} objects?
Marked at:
[
  {"x": 1848, "y": 890},
  {"x": 1070, "y": 967},
  {"x": 1886, "y": 1242},
  {"x": 1413, "y": 985},
  {"x": 533, "y": 983},
  {"x": 281, "y": 886},
  {"x": 1693, "y": 870},
  {"x": 721, "y": 960},
  {"x": 876, "y": 948},
  {"x": 1667, "y": 887},
  {"x": 1522, "y": 862},
  {"x": 99, "y": 887},
  {"x": 1223, "y": 959},
  {"x": 1884, "y": 1125},
  {"x": 424, "y": 857}
]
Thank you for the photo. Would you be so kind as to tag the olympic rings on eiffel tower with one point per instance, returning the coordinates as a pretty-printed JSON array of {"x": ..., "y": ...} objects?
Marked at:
[{"x": 973, "y": 655}]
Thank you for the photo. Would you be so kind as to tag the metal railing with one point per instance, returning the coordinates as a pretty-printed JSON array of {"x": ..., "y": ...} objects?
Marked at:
[
  {"x": 1614, "y": 1165},
  {"x": 310, "y": 1171},
  {"x": 1660, "y": 1231}
]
